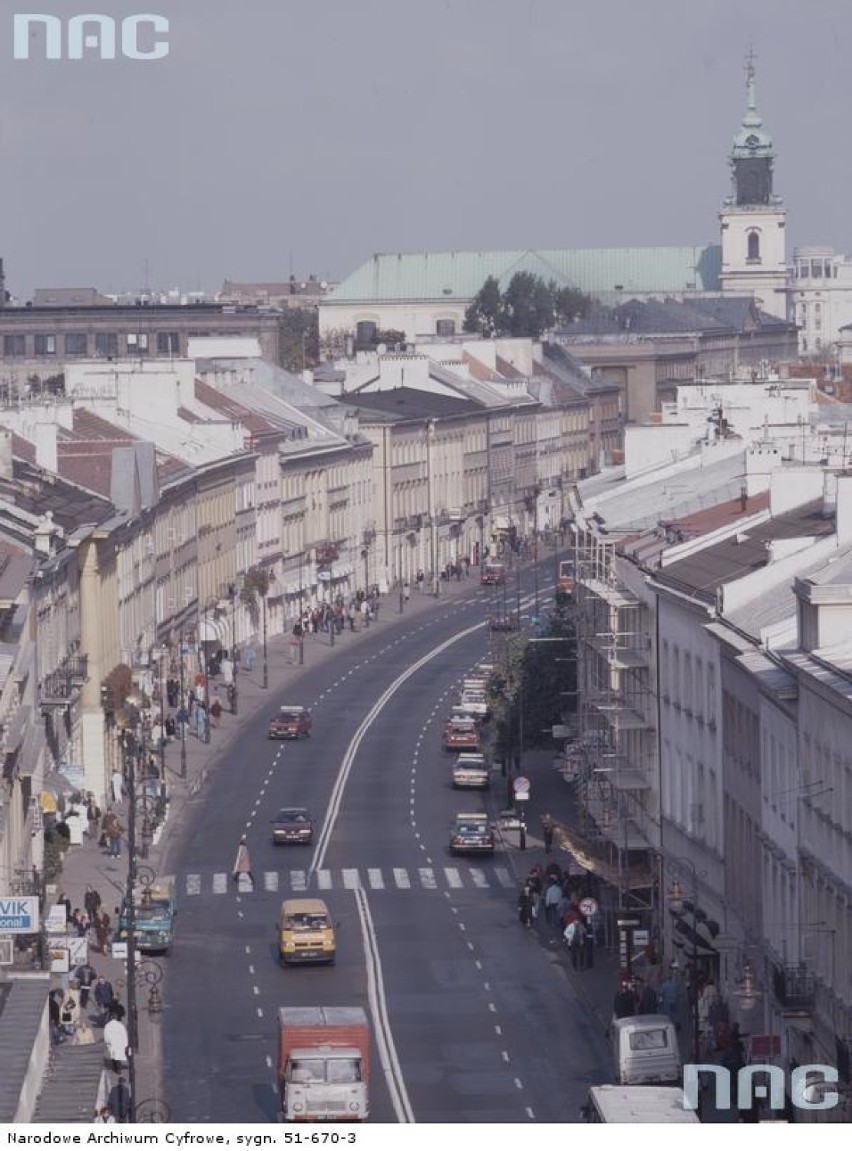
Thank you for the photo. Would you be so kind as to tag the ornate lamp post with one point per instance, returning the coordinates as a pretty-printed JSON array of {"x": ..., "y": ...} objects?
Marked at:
[{"x": 676, "y": 905}]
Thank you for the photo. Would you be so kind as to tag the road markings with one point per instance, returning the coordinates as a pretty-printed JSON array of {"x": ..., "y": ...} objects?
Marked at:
[
  {"x": 453, "y": 877},
  {"x": 220, "y": 883},
  {"x": 375, "y": 877},
  {"x": 505, "y": 1055},
  {"x": 378, "y": 1008},
  {"x": 498, "y": 1029},
  {"x": 251, "y": 969},
  {"x": 530, "y": 1112},
  {"x": 519, "y": 1085},
  {"x": 427, "y": 877},
  {"x": 478, "y": 877},
  {"x": 298, "y": 881},
  {"x": 193, "y": 885},
  {"x": 270, "y": 880},
  {"x": 324, "y": 880},
  {"x": 492, "y": 1008},
  {"x": 369, "y": 719},
  {"x": 504, "y": 877},
  {"x": 351, "y": 879},
  {"x": 256, "y": 990},
  {"x": 400, "y": 876}
]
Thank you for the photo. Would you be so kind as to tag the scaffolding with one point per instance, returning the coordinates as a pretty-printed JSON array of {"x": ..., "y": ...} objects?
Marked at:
[{"x": 614, "y": 755}]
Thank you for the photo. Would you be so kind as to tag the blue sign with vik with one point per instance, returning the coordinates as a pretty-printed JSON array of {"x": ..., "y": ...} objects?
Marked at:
[{"x": 19, "y": 915}]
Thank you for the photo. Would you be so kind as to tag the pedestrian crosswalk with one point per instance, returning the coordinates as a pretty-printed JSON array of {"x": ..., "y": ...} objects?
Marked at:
[{"x": 295, "y": 881}]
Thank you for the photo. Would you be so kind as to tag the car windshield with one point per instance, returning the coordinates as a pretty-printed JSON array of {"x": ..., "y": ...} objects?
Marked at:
[
  {"x": 652, "y": 1040},
  {"x": 471, "y": 827},
  {"x": 292, "y": 815},
  {"x": 325, "y": 1071},
  {"x": 291, "y": 713},
  {"x": 306, "y": 921}
]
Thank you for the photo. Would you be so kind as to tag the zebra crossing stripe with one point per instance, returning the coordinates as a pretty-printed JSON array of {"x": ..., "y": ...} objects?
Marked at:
[
  {"x": 220, "y": 883},
  {"x": 503, "y": 877},
  {"x": 324, "y": 879},
  {"x": 453, "y": 877},
  {"x": 478, "y": 876},
  {"x": 244, "y": 883},
  {"x": 270, "y": 880},
  {"x": 298, "y": 882},
  {"x": 375, "y": 877},
  {"x": 427, "y": 877},
  {"x": 193, "y": 885},
  {"x": 400, "y": 876},
  {"x": 351, "y": 880}
]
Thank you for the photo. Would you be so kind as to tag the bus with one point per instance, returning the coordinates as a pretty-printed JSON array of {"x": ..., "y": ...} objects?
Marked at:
[{"x": 615, "y": 1104}]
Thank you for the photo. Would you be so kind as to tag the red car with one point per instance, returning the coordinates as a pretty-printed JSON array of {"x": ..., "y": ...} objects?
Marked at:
[
  {"x": 292, "y": 722},
  {"x": 461, "y": 735}
]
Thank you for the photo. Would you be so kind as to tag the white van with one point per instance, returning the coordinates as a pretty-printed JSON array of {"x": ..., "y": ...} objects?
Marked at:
[
  {"x": 645, "y": 1050},
  {"x": 614, "y": 1104}
]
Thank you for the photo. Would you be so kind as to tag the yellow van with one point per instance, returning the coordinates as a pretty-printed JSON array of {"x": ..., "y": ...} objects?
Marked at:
[{"x": 305, "y": 932}]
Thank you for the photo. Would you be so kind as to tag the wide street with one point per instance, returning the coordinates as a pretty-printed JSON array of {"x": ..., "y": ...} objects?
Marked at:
[{"x": 472, "y": 1019}]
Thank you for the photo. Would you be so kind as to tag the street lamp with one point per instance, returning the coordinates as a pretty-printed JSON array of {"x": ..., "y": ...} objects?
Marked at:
[
  {"x": 232, "y": 690},
  {"x": 183, "y": 711},
  {"x": 164, "y": 651},
  {"x": 265, "y": 653}
]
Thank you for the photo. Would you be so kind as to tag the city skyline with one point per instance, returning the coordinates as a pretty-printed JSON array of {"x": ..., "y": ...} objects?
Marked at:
[{"x": 245, "y": 155}]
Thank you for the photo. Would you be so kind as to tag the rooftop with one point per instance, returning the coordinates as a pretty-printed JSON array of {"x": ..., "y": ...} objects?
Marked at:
[
  {"x": 408, "y": 404},
  {"x": 602, "y": 272}
]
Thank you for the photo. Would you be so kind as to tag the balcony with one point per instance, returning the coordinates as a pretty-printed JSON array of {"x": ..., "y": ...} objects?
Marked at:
[
  {"x": 794, "y": 988},
  {"x": 56, "y": 689}
]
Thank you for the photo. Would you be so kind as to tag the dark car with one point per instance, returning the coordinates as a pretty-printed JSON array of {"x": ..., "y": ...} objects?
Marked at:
[
  {"x": 461, "y": 735},
  {"x": 292, "y": 825},
  {"x": 472, "y": 834},
  {"x": 292, "y": 722},
  {"x": 505, "y": 621}
]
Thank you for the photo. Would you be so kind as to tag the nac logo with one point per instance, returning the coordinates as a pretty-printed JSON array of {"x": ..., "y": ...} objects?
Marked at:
[{"x": 139, "y": 37}]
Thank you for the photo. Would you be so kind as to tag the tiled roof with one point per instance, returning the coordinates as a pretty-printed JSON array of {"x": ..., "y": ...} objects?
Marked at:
[
  {"x": 706, "y": 316},
  {"x": 602, "y": 272}
]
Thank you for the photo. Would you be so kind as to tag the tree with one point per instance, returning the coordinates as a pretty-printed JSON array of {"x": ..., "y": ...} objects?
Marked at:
[
  {"x": 570, "y": 303},
  {"x": 527, "y": 305},
  {"x": 254, "y": 591},
  {"x": 484, "y": 315},
  {"x": 298, "y": 339},
  {"x": 390, "y": 337}
]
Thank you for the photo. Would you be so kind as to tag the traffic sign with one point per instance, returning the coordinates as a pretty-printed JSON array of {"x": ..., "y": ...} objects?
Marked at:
[
  {"x": 522, "y": 788},
  {"x": 588, "y": 906}
]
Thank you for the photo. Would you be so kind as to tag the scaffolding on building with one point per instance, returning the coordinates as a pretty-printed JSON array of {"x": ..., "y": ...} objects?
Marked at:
[{"x": 614, "y": 755}]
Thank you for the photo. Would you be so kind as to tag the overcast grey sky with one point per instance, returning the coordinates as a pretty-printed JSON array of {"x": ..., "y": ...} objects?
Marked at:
[{"x": 324, "y": 130}]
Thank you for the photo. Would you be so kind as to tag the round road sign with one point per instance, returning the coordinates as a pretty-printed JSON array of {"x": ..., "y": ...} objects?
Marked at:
[{"x": 588, "y": 906}]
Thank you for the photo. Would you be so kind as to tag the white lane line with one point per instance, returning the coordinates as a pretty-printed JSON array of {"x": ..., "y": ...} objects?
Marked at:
[
  {"x": 470, "y": 946},
  {"x": 268, "y": 1061},
  {"x": 256, "y": 990},
  {"x": 248, "y": 950},
  {"x": 352, "y": 750},
  {"x": 400, "y": 877},
  {"x": 530, "y": 1112},
  {"x": 324, "y": 880},
  {"x": 519, "y": 1085},
  {"x": 505, "y": 1055},
  {"x": 427, "y": 878},
  {"x": 492, "y": 1008},
  {"x": 375, "y": 877},
  {"x": 498, "y": 1029},
  {"x": 379, "y": 1011},
  {"x": 251, "y": 969},
  {"x": 260, "y": 1013}
]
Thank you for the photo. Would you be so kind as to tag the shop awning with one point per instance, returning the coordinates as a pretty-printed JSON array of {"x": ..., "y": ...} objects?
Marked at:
[{"x": 212, "y": 630}]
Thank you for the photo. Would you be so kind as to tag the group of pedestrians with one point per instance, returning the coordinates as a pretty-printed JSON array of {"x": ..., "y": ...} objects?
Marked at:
[{"x": 556, "y": 896}]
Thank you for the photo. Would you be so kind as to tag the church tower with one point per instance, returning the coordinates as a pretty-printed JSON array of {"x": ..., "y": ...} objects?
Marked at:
[{"x": 753, "y": 218}]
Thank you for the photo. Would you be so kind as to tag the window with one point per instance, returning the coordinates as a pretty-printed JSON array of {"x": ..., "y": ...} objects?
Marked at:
[
  {"x": 445, "y": 328},
  {"x": 44, "y": 345},
  {"x": 754, "y": 246},
  {"x": 816, "y": 269},
  {"x": 106, "y": 344},
  {"x": 76, "y": 344},
  {"x": 365, "y": 334},
  {"x": 168, "y": 343},
  {"x": 14, "y": 345},
  {"x": 137, "y": 342}
]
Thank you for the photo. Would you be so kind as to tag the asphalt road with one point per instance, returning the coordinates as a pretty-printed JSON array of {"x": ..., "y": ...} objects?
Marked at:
[{"x": 477, "y": 1021}]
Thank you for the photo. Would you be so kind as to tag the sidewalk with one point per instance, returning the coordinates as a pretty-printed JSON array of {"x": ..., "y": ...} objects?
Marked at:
[{"x": 76, "y": 1080}]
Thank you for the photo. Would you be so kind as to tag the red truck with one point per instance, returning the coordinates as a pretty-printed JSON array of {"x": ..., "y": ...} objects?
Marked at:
[{"x": 323, "y": 1064}]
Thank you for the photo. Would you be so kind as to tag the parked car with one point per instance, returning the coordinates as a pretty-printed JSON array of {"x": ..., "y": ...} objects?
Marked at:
[
  {"x": 461, "y": 735},
  {"x": 493, "y": 575},
  {"x": 504, "y": 621},
  {"x": 475, "y": 702},
  {"x": 292, "y": 722},
  {"x": 472, "y": 834},
  {"x": 471, "y": 769},
  {"x": 293, "y": 825}
]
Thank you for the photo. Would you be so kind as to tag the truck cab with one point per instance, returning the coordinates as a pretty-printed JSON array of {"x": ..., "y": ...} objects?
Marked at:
[{"x": 323, "y": 1064}]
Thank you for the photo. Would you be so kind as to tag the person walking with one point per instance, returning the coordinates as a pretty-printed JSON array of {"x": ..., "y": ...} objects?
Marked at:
[
  {"x": 552, "y": 899},
  {"x": 216, "y": 710},
  {"x": 574, "y": 935},
  {"x": 242, "y": 864},
  {"x": 525, "y": 906},
  {"x": 117, "y": 1043},
  {"x": 93, "y": 815},
  {"x": 91, "y": 901},
  {"x": 86, "y": 976},
  {"x": 624, "y": 1003},
  {"x": 104, "y": 997},
  {"x": 547, "y": 827},
  {"x": 668, "y": 996}
]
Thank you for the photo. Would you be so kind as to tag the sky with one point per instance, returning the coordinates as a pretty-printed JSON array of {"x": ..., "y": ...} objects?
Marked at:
[{"x": 306, "y": 135}]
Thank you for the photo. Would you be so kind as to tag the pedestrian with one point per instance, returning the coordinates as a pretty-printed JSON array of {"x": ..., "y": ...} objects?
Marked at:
[
  {"x": 85, "y": 975},
  {"x": 668, "y": 996},
  {"x": 201, "y": 722},
  {"x": 525, "y": 906},
  {"x": 91, "y": 901},
  {"x": 84, "y": 1036},
  {"x": 70, "y": 1011},
  {"x": 587, "y": 956},
  {"x": 64, "y": 901},
  {"x": 574, "y": 935},
  {"x": 182, "y": 718},
  {"x": 648, "y": 1004},
  {"x": 547, "y": 831},
  {"x": 104, "y": 997},
  {"x": 365, "y": 613},
  {"x": 102, "y": 931},
  {"x": 54, "y": 1015},
  {"x": 113, "y": 830},
  {"x": 119, "y": 1100},
  {"x": 117, "y": 787},
  {"x": 104, "y": 1115},
  {"x": 216, "y": 710},
  {"x": 242, "y": 864},
  {"x": 624, "y": 1003},
  {"x": 93, "y": 815},
  {"x": 552, "y": 899},
  {"x": 117, "y": 1043}
]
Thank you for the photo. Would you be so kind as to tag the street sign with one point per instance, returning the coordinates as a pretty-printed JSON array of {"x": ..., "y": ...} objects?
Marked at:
[
  {"x": 629, "y": 922},
  {"x": 588, "y": 906},
  {"x": 19, "y": 915},
  {"x": 522, "y": 788},
  {"x": 641, "y": 938}
]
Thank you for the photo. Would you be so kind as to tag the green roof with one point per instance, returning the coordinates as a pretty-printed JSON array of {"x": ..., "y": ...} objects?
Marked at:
[{"x": 600, "y": 272}]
